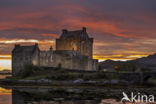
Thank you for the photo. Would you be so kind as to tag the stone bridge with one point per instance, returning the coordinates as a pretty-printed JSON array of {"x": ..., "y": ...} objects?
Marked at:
[{"x": 139, "y": 77}]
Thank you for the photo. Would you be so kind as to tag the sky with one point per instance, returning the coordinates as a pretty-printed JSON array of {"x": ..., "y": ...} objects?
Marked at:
[{"x": 122, "y": 29}]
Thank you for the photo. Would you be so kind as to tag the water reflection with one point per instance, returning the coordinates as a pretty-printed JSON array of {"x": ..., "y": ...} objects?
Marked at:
[
  {"x": 4, "y": 76},
  {"x": 25, "y": 98},
  {"x": 50, "y": 96},
  {"x": 55, "y": 95},
  {"x": 5, "y": 96}
]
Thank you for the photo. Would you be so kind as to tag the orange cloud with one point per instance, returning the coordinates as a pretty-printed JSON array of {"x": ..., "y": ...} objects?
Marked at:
[
  {"x": 28, "y": 26},
  {"x": 18, "y": 41},
  {"x": 5, "y": 57},
  {"x": 118, "y": 57},
  {"x": 51, "y": 35},
  {"x": 102, "y": 58}
]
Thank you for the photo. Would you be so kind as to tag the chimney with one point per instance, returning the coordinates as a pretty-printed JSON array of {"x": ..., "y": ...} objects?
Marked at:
[
  {"x": 51, "y": 48},
  {"x": 64, "y": 31},
  {"x": 17, "y": 45},
  {"x": 36, "y": 44},
  {"x": 84, "y": 29}
]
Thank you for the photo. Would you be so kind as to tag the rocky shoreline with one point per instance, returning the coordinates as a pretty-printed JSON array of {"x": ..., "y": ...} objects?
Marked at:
[{"x": 77, "y": 82}]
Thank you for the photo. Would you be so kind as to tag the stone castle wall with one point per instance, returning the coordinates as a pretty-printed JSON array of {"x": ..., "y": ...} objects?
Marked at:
[
  {"x": 76, "y": 40},
  {"x": 67, "y": 60},
  {"x": 21, "y": 58},
  {"x": 74, "y": 50},
  {"x": 83, "y": 47}
]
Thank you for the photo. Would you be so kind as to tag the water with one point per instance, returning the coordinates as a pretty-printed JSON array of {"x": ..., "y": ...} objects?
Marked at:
[
  {"x": 5, "y": 96},
  {"x": 66, "y": 95},
  {"x": 4, "y": 76},
  {"x": 55, "y": 95},
  {"x": 42, "y": 95}
]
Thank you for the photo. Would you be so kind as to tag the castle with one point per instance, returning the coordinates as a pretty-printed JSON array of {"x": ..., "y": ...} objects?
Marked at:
[{"x": 74, "y": 50}]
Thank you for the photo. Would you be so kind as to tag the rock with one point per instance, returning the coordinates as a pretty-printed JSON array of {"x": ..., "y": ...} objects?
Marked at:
[
  {"x": 78, "y": 81},
  {"x": 114, "y": 81},
  {"x": 92, "y": 82},
  {"x": 58, "y": 99},
  {"x": 34, "y": 81},
  {"x": 106, "y": 82},
  {"x": 110, "y": 101},
  {"x": 123, "y": 82},
  {"x": 44, "y": 81},
  {"x": 75, "y": 90},
  {"x": 26, "y": 81}
]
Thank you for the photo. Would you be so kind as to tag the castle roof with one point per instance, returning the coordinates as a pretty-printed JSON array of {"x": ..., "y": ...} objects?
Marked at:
[
  {"x": 30, "y": 49},
  {"x": 77, "y": 33}
]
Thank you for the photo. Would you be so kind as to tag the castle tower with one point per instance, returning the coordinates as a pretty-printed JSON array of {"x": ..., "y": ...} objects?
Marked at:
[
  {"x": 24, "y": 55},
  {"x": 76, "y": 40}
]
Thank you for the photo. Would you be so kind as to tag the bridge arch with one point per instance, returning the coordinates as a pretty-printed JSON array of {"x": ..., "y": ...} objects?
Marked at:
[{"x": 146, "y": 78}]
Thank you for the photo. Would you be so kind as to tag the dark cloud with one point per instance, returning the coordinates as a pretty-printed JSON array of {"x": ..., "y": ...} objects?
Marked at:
[{"x": 118, "y": 26}]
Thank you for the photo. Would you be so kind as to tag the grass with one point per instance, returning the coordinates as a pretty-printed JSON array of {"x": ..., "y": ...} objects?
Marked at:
[
  {"x": 35, "y": 77},
  {"x": 35, "y": 73},
  {"x": 152, "y": 80}
]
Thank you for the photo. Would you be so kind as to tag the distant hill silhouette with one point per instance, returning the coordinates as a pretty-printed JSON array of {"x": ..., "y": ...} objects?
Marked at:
[
  {"x": 149, "y": 60},
  {"x": 144, "y": 62},
  {"x": 5, "y": 71},
  {"x": 109, "y": 64}
]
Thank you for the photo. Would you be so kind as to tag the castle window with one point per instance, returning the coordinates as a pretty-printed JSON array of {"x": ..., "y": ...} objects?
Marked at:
[
  {"x": 75, "y": 47},
  {"x": 46, "y": 60},
  {"x": 51, "y": 58}
]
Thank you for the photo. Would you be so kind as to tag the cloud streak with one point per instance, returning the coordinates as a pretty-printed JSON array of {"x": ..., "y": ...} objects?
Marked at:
[{"x": 126, "y": 28}]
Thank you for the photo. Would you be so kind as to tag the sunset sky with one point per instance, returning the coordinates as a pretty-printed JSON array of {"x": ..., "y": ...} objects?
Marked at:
[{"x": 122, "y": 29}]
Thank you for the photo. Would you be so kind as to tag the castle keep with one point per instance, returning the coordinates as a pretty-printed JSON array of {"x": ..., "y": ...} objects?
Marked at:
[
  {"x": 78, "y": 41},
  {"x": 74, "y": 50}
]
